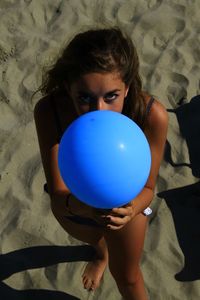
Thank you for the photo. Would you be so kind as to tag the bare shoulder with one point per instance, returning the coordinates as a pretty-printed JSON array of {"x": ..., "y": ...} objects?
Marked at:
[
  {"x": 42, "y": 108},
  {"x": 40, "y": 104},
  {"x": 158, "y": 114},
  {"x": 157, "y": 118},
  {"x": 44, "y": 120}
]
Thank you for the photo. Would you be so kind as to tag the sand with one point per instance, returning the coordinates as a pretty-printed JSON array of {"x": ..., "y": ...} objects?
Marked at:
[{"x": 38, "y": 259}]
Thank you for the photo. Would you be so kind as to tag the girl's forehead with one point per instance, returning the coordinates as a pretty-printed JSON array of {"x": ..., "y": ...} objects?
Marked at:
[{"x": 94, "y": 80}]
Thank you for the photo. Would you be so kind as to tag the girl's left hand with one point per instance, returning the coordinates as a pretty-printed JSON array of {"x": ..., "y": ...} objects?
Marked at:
[{"x": 119, "y": 217}]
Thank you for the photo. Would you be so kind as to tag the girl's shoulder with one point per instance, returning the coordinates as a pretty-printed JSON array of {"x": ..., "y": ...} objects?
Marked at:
[
  {"x": 43, "y": 108},
  {"x": 53, "y": 114},
  {"x": 44, "y": 105},
  {"x": 157, "y": 113},
  {"x": 56, "y": 108},
  {"x": 44, "y": 120}
]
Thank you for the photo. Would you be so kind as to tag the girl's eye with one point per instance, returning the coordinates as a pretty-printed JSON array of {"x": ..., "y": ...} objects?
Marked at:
[
  {"x": 84, "y": 100},
  {"x": 111, "y": 97},
  {"x": 87, "y": 99}
]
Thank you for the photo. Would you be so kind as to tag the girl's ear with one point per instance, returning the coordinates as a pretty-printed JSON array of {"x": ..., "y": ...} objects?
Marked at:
[{"x": 126, "y": 91}]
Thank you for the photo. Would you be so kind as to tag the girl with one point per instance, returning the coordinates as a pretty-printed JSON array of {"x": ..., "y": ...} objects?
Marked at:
[{"x": 98, "y": 70}]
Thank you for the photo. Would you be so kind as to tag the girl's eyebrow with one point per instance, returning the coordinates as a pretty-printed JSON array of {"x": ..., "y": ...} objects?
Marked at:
[
  {"x": 113, "y": 91},
  {"x": 91, "y": 94}
]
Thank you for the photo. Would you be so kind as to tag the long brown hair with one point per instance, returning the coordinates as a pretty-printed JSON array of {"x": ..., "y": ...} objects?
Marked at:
[{"x": 100, "y": 50}]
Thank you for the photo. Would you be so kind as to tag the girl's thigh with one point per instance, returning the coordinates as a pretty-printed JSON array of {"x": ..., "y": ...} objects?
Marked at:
[
  {"x": 125, "y": 248},
  {"x": 87, "y": 234}
]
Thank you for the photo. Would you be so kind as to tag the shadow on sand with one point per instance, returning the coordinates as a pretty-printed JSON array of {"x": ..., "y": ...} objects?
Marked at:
[
  {"x": 39, "y": 257},
  {"x": 184, "y": 202},
  {"x": 188, "y": 117}
]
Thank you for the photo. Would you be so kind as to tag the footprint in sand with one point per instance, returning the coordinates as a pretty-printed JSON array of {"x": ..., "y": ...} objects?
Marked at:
[
  {"x": 172, "y": 23},
  {"x": 177, "y": 88}
]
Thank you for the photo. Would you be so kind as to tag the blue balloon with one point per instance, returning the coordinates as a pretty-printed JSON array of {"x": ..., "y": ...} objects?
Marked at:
[{"x": 104, "y": 159}]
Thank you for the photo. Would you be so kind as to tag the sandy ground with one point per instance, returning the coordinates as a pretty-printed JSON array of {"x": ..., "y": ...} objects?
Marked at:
[{"x": 38, "y": 259}]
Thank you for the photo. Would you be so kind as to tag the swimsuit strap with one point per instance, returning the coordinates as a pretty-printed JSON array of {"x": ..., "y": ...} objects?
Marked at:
[
  {"x": 57, "y": 119},
  {"x": 149, "y": 105}
]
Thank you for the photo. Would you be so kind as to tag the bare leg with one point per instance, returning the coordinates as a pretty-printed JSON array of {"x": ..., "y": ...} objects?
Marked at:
[
  {"x": 134, "y": 291},
  {"x": 125, "y": 248},
  {"x": 91, "y": 235},
  {"x": 94, "y": 270}
]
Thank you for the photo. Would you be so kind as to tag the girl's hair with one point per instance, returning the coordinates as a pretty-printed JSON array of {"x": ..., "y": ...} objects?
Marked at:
[{"x": 100, "y": 50}]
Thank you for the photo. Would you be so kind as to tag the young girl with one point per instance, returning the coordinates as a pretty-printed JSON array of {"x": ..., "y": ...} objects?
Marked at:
[{"x": 98, "y": 70}]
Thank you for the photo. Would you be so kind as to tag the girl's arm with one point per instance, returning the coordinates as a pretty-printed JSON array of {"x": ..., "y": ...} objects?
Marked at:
[
  {"x": 47, "y": 138},
  {"x": 59, "y": 193},
  {"x": 156, "y": 133}
]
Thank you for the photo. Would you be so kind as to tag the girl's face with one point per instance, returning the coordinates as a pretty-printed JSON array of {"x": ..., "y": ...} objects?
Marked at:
[{"x": 98, "y": 91}]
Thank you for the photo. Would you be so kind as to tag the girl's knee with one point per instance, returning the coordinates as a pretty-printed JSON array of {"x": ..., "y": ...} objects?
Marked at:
[{"x": 126, "y": 277}]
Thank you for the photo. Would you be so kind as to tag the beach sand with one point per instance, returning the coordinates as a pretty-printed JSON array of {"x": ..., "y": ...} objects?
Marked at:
[{"x": 38, "y": 259}]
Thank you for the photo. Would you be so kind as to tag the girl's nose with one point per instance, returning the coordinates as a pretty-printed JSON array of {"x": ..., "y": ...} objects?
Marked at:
[{"x": 98, "y": 104}]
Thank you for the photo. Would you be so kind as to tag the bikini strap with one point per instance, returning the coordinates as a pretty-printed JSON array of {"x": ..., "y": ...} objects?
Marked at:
[{"x": 149, "y": 105}]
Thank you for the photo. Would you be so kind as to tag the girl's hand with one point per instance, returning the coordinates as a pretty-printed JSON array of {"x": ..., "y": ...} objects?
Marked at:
[
  {"x": 113, "y": 219},
  {"x": 119, "y": 217},
  {"x": 76, "y": 207}
]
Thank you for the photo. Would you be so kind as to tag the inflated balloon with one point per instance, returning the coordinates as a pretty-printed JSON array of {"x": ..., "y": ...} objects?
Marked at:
[{"x": 104, "y": 159}]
